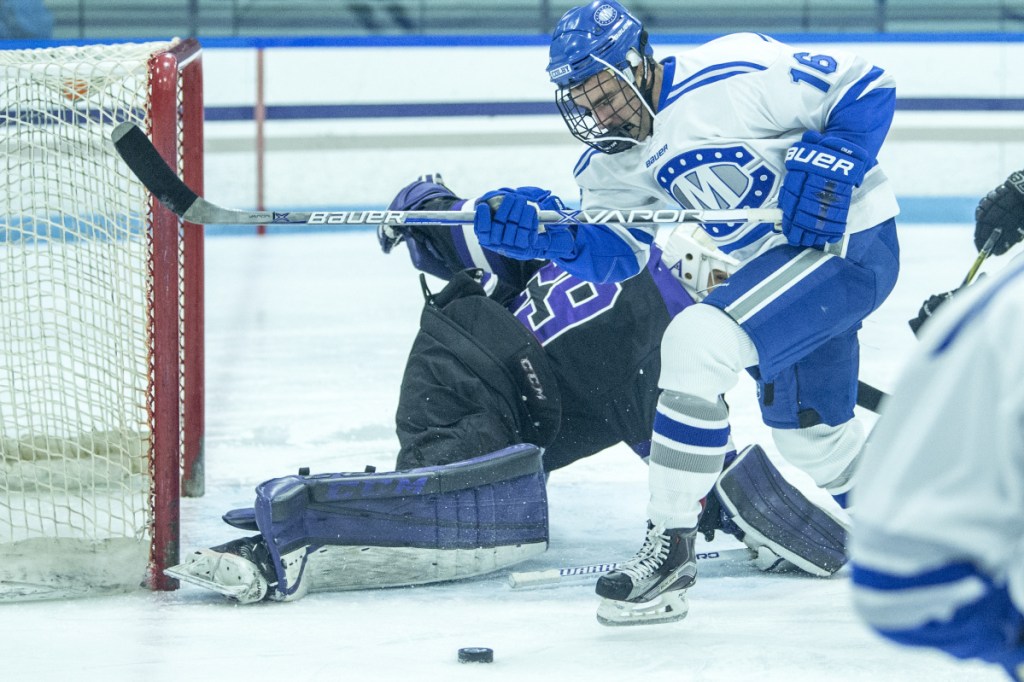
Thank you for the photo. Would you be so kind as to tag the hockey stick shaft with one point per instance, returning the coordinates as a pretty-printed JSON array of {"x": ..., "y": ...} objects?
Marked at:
[
  {"x": 983, "y": 253},
  {"x": 556, "y": 576},
  {"x": 870, "y": 397},
  {"x": 148, "y": 166}
]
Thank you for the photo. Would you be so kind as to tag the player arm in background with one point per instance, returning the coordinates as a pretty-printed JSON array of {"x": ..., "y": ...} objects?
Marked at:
[
  {"x": 998, "y": 227},
  {"x": 938, "y": 553}
]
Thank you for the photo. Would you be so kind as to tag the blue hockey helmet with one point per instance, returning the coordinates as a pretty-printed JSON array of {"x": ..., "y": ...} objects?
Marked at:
[{"x": 589, "y": 38}]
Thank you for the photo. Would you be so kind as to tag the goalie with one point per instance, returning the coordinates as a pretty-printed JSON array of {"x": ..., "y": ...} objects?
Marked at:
[{"x": 518, "y": 370}]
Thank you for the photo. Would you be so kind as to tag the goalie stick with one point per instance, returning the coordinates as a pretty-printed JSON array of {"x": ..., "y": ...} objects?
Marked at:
[
  {"x": 148, "y": 166},
  {"x": 566, "y": 574}
]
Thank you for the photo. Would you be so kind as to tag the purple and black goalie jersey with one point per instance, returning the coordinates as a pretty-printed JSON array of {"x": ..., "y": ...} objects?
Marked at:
[{"x": 602, "y": 341}]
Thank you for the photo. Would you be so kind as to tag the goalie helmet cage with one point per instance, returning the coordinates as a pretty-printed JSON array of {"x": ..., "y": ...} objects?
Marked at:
[{"x": 101, "y": 320}]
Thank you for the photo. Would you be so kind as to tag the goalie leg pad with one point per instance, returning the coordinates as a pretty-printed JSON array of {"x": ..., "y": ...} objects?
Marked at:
[
  {"x": 470, "y": 517},
  {"x": 777, "y": 519}
]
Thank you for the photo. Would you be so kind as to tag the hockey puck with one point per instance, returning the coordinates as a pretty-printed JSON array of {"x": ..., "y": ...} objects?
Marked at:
[{"x": 476, "y": 654}]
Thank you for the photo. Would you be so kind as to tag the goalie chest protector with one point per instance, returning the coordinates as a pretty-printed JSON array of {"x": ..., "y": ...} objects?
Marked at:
[{"x": 476, "y": 381}]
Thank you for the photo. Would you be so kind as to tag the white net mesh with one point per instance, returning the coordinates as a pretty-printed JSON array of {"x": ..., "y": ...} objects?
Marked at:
[{"x": 74, "y": 346}]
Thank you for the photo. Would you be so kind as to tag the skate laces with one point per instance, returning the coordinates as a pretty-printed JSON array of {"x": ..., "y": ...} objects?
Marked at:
[
  {"x": 650, "y": 557},
  {"x": 255, "y": 550}
]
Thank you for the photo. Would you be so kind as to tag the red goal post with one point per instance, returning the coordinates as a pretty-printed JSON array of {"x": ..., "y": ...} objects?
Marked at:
[{"x": 101, "y": 341}]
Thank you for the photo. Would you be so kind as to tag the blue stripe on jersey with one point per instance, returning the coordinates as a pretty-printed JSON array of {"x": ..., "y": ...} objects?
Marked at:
[
  {"x": 987, "y": 628},
  {"x": 584, "y": 161},
  {"x": 757, "y": 232},
  {"x": 709, "y": 75},
  {"x": 668, "y": 75},
  {"x": 641, "y": 235},
  {"x": 977, "y": 308},
  {"x": 877, "y": 580},
  {"x": 690, "y": 435}
]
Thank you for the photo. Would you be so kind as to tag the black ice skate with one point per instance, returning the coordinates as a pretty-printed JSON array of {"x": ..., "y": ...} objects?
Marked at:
[
  {"x": 651, "y": 587},
  {"x": 241, "y": 569}
]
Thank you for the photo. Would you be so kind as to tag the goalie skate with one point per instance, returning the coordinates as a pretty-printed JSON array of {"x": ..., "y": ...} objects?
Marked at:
[
  {"x": 236, "y": 570},
  {"x": 651, "y": 587}
]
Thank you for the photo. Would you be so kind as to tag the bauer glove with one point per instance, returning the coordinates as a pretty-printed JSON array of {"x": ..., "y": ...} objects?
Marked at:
[
  {"x": 1002, "y": 209},
  {"x": 821, "y": 173},
  {"x": 507, "y": 222}
]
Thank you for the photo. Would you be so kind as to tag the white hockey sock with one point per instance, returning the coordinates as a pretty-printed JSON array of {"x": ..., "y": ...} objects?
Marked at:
[
  {"x": 691, "y": 437},
  {"x": 826, "y": 453}
]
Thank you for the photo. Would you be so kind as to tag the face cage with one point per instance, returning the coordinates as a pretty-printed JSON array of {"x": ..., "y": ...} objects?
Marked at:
[{"x": 585, "y": 127}]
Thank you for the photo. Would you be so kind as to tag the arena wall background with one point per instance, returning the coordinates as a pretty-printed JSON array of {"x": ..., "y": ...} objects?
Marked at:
[{"x": 350, "y": 120}]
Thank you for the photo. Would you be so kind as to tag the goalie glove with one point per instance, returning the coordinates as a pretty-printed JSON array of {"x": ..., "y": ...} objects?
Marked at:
[
  {"x": 821, "y": 172},
  {"x": 426, "y": 193},
  {"x": 1002, "y": 209}
]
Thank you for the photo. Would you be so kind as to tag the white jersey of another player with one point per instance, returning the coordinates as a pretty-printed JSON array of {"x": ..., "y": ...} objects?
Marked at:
[
  {"x": 938, "y": 545},
  {"x": 728, "y": 112}
]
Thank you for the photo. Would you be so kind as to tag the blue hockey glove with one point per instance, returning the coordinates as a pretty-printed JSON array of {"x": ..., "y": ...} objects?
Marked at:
[
  {"x": 426, "y": 193},
  {"x": 507, "y": 222},
  {"x": 821, "y": 173}
]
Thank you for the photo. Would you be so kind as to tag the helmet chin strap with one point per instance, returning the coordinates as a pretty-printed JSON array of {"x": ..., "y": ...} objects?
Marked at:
[{"x": 643, "y": 91}]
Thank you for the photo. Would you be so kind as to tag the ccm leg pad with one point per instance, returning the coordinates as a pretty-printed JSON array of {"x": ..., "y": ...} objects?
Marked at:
[
  {"x": 357, "y": 530},
  {"x": 774, "y": 515}
]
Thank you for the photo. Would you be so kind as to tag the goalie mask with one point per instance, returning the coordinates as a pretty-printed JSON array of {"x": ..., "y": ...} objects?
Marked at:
[{"x": 603, "y": 67}]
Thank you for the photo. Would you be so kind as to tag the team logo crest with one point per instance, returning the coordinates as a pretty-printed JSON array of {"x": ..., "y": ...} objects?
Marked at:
[
  {"x": 605, "y": 15},
  {"x": 718, "y": 178}
]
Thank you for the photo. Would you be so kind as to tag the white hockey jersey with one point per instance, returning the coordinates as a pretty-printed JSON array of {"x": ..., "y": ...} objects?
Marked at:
[
  {"x": 728, "y": 111},
  {"x": 939, "y": 494}
]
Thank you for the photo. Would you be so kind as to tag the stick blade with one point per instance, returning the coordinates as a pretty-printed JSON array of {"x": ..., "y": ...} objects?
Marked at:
[{"x": 149, "y": 167}]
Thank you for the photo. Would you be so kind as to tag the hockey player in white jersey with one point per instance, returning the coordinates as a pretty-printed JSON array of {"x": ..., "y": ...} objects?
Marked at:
[
  {"x": 938, "y": 550},
  {"x": 741, "y": 122}
]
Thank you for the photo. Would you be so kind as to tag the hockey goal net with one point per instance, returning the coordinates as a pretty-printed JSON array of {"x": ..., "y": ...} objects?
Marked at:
[{"x": 101, "y": 403}]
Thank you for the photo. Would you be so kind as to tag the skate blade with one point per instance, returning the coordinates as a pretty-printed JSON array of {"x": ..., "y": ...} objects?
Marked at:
[
  {"x": 226, "y": 574},
  {"x": 666, "y": 608}
]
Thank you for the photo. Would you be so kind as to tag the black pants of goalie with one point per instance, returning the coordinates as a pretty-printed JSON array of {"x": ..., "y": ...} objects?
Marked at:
[{"x": 651, "y": 587}]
